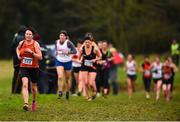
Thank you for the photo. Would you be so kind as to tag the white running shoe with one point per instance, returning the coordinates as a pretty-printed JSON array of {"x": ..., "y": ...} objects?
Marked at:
[
  {"x": 147, "y": 96},
  {"x": 98, "y": 94},
  {"x": 74, "y": 95}
]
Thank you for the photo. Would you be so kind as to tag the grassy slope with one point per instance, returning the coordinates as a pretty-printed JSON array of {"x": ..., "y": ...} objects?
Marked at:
[{"x": 114, "y": 108}]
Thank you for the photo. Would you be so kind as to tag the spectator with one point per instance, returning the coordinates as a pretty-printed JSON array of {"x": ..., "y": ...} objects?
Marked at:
[
  {"x": 113, "y": 70},
  {"x": 16, "y": 82},
  {"x": 175, "y": 52},
  {"x": 42, "y": 65}
]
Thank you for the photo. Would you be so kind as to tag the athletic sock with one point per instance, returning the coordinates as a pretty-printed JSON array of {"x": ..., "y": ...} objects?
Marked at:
[{"x": 60, "y": 93}]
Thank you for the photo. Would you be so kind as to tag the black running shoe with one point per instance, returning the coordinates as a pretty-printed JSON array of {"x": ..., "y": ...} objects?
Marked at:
[
  {"x": 67, "y": 95},
  {"x": 93, "y": 97},
  {"x": 25, "y": 107},
  {"x": 79, "y": 93},
  {"x": 60, "y": 95}
]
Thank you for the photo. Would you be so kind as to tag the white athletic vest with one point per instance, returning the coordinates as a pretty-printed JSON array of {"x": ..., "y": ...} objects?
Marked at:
[
  {"x": 157, "y": 70},
  {"x": 131, "y": 67},
  {"x": 76, "y": 64},
  {"x": 60, "y": 49}
]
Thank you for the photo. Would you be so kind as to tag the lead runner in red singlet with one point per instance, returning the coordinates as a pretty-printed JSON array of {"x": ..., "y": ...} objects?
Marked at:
[{"x": 29, "y": 53}]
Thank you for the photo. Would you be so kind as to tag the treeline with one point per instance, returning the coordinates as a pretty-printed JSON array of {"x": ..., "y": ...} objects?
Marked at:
[{"x": 138, "y": 26}]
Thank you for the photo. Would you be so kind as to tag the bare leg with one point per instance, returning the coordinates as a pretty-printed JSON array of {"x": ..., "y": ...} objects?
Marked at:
[
  {"x": 92, "y": 77},
  {"x": 34, "y": 90},
  {"x": 25, "y": 92},
  {"x": 67, "y": 78},
  {"x": 168, "y": 92},
  {"x": 133, "y": 86},
  {"x": 86, "y": 84},
  {"x": 60, "y": 71},
  {"x": 164, "y": 90},
  {"x": 130, "y": 89},
  {"x": 80, "y": 82},
  {"x": 159, "y": 83}
]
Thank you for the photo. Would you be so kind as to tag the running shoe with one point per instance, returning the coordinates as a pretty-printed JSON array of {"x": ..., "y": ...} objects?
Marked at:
[
  {"x": 89, "y": 99},
  {"x": 147, "y": 96},
  {"x": 33, "y": 106},
  {"x": 60, "y": 94},
  {"x": 79, "y": 93},
  {"x": 98, "y": 94},
  {"x": 67, "y": 95},
  {"x": 93, "y": 97},
  {"x": 74, "y": 95},
  {"x": 25, "y": 107},
  {"x": 157, "y": 98}
]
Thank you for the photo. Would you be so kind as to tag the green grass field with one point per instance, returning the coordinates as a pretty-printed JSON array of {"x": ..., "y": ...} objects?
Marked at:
[{"x": 77, "y": 108}]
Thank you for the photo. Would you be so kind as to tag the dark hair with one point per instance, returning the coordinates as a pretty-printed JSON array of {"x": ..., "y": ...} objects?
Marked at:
[
  {"x": 64, "y": 32},
  {"x": 87, "y": 38},
  {"x": 146, "y": 56},
  {"x": 80, "y": 41},
  {"x": 99, "y": 41},
  {"x": 158, "y": 56},
  {"x": 167, "y": 57},
  {"x": 31, "y": 29},
  {"x": 105, "y": 41},
  {"x": 133, "y": 57}
]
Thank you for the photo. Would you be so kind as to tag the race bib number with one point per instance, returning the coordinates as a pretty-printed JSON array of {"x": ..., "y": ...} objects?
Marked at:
[
  {"x": 27, "y": 60},
  {"x": 167, "y": 76},
  {"x": 147, "y": 73},
  {"x": 61, "y": 54},
  {"x": 88, "y": 63}
]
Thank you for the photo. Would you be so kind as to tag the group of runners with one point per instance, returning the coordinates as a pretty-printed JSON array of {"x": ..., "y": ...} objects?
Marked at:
[
  {"x": 90, "y": 64},
  {"x": 162, "y": 74}
]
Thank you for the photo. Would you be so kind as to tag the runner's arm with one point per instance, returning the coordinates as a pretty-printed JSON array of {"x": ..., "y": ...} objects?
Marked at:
[
  {"x": 98, "y": 55},
  {"x": 37, "y": 54},
  {"x": 72, "y": 48},
  {"x": 175, "y": 68},
  {"x": 18, "y": 50}
]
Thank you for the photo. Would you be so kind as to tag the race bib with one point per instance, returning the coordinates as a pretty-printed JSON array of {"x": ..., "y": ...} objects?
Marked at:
[
  {"x": 132, "y": 69},
  {"x": 147, "y": 73},
  {"x": 27, "y": 60},
  {"x": 167, "y": 76},
  {"x": 61, "y": 54},
  {"x": 88, "y": 63}
]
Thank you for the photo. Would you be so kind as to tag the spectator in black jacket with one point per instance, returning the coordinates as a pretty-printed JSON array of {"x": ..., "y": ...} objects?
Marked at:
[{"x": 19, "y": 36}]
